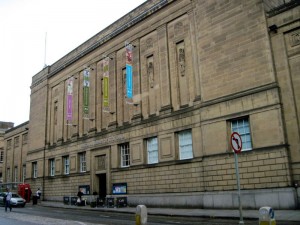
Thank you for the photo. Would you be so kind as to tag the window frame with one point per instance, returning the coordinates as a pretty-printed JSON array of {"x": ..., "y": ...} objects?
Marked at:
[
  {"x": 52, "y": 167},
  {"x": 34, "y": 170},
  {"x": 1, "y": 155},
  {"x": 244, "y": 135},
  {"x": 24, "y": 173},
  {"x": 66, "y": 165},
  {"x": 15, "y": 174},
  {"x": 124, "y": 153},
  {"x": 182, "y": 145},
  {"x": 82, "y": 162},
  {"x": 150, "y": 142}
]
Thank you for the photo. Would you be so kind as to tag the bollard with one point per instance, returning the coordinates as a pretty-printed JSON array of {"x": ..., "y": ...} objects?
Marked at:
[
  {"x": 141, "y": 215},
  {"x": 266, "y": 216}
]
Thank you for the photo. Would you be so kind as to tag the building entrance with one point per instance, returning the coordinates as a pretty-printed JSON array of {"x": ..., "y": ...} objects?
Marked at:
[{"x": 102, "y": 185}]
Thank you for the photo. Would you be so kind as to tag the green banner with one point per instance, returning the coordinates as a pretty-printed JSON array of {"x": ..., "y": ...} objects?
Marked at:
[
  {"x": 86, "y": 92},
  {"x": 106, "y": 85}
]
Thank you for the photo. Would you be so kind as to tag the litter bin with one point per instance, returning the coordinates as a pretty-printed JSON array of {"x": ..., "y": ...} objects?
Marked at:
[
  {"x": 66, "y": 200},
  {"x": 110, "y": 202},
  {"x": 266, "y": 216},
  {"x": 34, "y": 200}
]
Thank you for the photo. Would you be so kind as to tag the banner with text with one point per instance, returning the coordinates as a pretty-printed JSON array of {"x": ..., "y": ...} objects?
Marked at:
[
  {"x": 70, "y": 99},
  {"x": 129, "y": 86},
  {"x": 86, "y": 92},
  {"x": 106, "y": 84}
]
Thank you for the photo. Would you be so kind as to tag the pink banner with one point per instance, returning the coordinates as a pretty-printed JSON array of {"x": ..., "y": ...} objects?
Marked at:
[{"x": 70, "y": 99}]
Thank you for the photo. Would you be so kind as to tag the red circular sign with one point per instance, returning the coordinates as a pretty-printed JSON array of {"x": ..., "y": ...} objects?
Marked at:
[{"x": 236, "y": 142}]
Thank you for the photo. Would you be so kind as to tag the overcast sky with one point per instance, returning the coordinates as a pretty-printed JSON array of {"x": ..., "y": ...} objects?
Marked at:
[{"x": 23, "y": 28}]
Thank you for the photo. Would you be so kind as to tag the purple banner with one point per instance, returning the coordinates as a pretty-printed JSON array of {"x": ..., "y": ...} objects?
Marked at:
[{"x": 70, "y": 99}]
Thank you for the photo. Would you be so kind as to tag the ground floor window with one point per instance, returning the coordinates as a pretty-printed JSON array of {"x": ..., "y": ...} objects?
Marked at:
[
  {"x": 185, "y": 144},
  {"x": 152, "y": 150},
  {"x": 125, "y": 154},
  {"x": 52, "y": 167},
  {"x": 242, "y": 127},
  {"x": 34, "y": 170},
  {"x": 82, "y": 162},
  {"x": 66, "y": 162}
]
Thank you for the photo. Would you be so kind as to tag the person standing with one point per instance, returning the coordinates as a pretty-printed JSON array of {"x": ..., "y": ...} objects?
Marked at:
[
  {"x": 79, "y": 195},
  {"x": 8, "y": 197},
  {"x": 38, "y": 195}
]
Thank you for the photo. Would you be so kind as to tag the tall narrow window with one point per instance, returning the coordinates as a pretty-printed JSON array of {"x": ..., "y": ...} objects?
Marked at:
[
  {"x": 242, "y": 127},
  {"x": 82, "y": 162},
  {"x": 24, "y": 173},
  {"x": 34, "y": 170},
  {"x": 152, "y": 150},
  {"x": 66, "y": 162},
  {"x": 125, "y": 155},
  {"x": 185, "y": 144},
  {"x": 16, "y": 174},
  {"x": 1, "y": 155},
  {"x": 52, "y": 167}
]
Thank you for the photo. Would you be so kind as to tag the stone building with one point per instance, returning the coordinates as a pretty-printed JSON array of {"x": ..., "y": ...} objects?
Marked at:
[
  {"x": 3, "y": 127},
  {"x": 14, "y": 162},
  {"x": 146, "y": 108}
]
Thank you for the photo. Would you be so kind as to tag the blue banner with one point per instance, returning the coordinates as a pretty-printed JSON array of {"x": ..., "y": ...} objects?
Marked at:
[{"x": 129, "y": 81}]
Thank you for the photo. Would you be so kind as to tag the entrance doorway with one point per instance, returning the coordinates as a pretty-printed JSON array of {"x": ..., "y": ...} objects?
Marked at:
[{"x": 102, "y": 185}]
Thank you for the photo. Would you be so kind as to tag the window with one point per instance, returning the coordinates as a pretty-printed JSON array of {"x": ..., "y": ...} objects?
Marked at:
[
  {"x": 16, "y": 174},
  {"x": 24, "y": 173},
  {"x": 1, "y": 155},
  {"x": 185, "y": 144},
  {"x": 25, "y": 139},
  {"x": 34, "y": 170},
  {"x": 152, "y": 150},
  {"x": 52, "y": 167},
  {"x": 66, "y": 163},
  {"x": 242, "y": 127},
  {"x": 125, "y": 155},
  {"x": 82, "y": 162},
  {"x": 16, "y": 142}
]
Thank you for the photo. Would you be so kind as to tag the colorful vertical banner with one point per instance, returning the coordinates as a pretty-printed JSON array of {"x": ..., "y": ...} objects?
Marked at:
[
  {"x": 129, "y": 86},
  {"x": 70, "y": 99},
  {"x": 86, "y": 92},
  {"x": 106, "y": 84}
]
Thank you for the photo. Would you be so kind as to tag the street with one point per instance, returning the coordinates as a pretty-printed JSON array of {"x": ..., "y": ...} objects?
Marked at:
[{"x": 32, "y": 215}]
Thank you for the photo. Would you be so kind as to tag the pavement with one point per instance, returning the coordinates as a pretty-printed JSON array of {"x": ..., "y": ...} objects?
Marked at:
[{"x": 280, "y": 215}]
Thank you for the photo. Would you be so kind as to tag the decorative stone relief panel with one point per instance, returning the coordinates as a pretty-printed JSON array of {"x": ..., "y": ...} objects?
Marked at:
[
  {"x": 150, "y": 83},
  {"x": 100, "y": 163},
  {"x": 181, "y": 67}
]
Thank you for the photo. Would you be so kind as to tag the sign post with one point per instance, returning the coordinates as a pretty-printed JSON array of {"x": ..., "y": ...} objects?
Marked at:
[{"x": 236, "y": 144}]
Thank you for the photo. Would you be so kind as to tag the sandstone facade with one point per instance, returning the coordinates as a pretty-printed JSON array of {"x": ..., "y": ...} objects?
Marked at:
[{"x": 200, "y": 68}]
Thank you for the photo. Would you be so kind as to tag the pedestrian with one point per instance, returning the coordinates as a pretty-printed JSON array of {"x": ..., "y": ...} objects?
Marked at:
[
  {"x": 38, "y": 193},
  {"x": 7, "y": 199},
  {"x": 79, "y": 195}
]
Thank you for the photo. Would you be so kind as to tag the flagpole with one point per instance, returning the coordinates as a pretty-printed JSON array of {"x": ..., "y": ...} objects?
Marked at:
[{"x": 45, "y": 53}]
